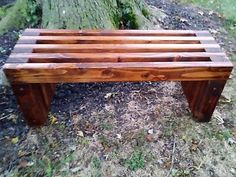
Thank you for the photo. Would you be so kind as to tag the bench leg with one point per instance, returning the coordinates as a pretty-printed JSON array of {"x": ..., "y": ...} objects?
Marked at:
[
  {"x": 202, "y": 97},
  {"x": 34, "y": 101}
]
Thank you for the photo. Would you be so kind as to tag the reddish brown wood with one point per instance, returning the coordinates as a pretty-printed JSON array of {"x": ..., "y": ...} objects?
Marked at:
[
  {"x": 43, "y": 57},
  {"x": 116, "y": 72},
  {"x": 112, "y": 40},
  {"x": 112, "y": 48},
  {"x": 61, "y": 32},
  {"x": 34, "y": 101},
  {"x": 109, "y": 57},
  {"x": 202, "y": 97}
]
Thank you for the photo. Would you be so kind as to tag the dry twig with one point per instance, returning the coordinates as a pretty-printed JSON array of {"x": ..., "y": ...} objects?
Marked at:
[{"x": 172, "y": 158}]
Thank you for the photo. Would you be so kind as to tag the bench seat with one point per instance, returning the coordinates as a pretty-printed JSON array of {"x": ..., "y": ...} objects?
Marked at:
[{"x": 42, "y": 58}]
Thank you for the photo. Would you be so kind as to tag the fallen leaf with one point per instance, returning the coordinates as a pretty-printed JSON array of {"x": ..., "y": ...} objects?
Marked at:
[
  {"x": 231, "y": 141},
  {"x": 194, "y": 145},
  {"x": 119, "y": 136},
  {"x": 23, "y": 164},
  {"x": 15, "y": 140},
  {"x": 201, "y": 13},
  {"x": 217, "y": 115},
  {"x": 167, "y": 164},
  {"x": 211, "y": 12},
  {"x": 76, "y": 169},
  {"x": 150, "y": 138},
  {"x": 108, "y": 95},
  {"x": 53, "y": 119},
  {"x": 150, "y": 131},
  {"x": 80, "y": 133},
  {"x": 213, "y": 31}
]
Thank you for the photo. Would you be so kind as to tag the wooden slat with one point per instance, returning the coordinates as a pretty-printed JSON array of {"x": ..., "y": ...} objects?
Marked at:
[
  {"x": 111, "y": 40},
  {"x": 61, "y": 32},
  {"x": 123, "y": 48},
  {"x": 109, "y": 57},
  {"x": 213, "y": 58},
  {"x": 112, "y": 72}
]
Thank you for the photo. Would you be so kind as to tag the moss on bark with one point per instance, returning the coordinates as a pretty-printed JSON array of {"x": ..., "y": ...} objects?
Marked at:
[
  {"x": 86, "y": 14},
  {"x": 15, "y": 18},
  {"x": 23, "y": 13},
  {"x": 79, "y": 14}
]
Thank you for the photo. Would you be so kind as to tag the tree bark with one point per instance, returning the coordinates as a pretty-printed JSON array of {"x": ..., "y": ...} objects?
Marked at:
[
  {"x": 100, "y": 14},
  {"x": 80, "y": 14}
]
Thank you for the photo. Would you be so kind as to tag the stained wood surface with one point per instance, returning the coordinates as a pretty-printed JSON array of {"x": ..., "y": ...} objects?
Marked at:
[
  {"x": 129, "y": 55},
  {"x": 108, "y": 72},
  {"x": 60, "y": 32},
  {"x": 34, "y": 101},
  {"x": 111, "y": 40},
  {"x": 109, "y": 57},
  {"x": 203, "y": 97},
  {"x": 44, "y": 57}
]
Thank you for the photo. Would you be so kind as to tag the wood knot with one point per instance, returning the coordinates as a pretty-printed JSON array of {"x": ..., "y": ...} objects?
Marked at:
[
  {"x": 145, "y": 75},
  {"x": 107, "y": 72}
]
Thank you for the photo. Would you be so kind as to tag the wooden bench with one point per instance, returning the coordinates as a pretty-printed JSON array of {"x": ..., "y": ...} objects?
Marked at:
[{"x": 43, "y": 58}]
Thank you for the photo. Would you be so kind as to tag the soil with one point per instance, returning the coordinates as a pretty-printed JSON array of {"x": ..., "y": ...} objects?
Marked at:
[
  {"x": 94, "y": 128},
  {"x": 5, "y": 2}
]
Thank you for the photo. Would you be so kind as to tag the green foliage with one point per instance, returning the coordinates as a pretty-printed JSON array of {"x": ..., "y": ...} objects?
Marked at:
[
  {"x": 223, "y": 135},
  {"x": 180, "y": 173},
  {"x": 136, "y": 160},
  {"x": 141, "y": 138},
  {"x": 226, "y": 8},
  {"x": 128, "y": 17},
  {"x": 107, "y": 126},
  {"x": 47, "y": 165},
  {"x": 218, "y": 134},
  {"x": 24, "y": 13},
  {"x": 4, "y": 10},
  {"x": 145, "y": 12},
  {"x": 96, "y": 163},
  {"x": 33, "y": 13}
]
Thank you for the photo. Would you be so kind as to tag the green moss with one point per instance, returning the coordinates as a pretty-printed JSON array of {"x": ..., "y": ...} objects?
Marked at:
[
  {"x": 145, "y": 12},
  {"x": 3, "y": 11},
  {"x": 128, "y": 15},
  {"x": 23, "y": 13},
  {"x": 96, "y": 163}
]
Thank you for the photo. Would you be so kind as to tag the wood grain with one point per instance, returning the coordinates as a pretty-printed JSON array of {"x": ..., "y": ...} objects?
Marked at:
[
  {"x": 112, "y": 48},
  {"x": 203, "y": 97},
  {"x": 61, "y": 32},
  {"x": 109, "y": 57},
  {"x": 113, "y": 72},
  {"x": 111, "y": 40},
  {"x": 34, "y": 101},
  {"x": 45, "y": 57}
]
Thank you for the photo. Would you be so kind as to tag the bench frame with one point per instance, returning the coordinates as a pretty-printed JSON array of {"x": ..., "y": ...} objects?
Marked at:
[{"x": 42, "y": 58}]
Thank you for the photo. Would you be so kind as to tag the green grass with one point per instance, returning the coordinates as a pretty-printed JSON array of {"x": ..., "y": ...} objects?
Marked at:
[
  {"x": 135, "y": 161},
  {"x": 96, "y": 163},
  {"x": 107, "y": 126},
  {"x": 227, "y": 9}
]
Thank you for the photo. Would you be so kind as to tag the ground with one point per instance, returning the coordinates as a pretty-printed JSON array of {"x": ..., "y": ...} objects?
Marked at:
[{"x": 124, "y": 129}]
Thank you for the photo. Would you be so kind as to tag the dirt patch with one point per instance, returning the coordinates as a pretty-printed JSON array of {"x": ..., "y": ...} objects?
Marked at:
[
  {"x": 123, "y": 129},
  {"x": 5, "y": 2}
]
